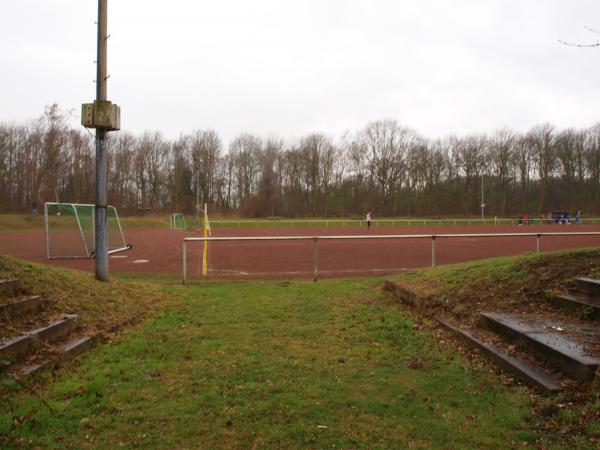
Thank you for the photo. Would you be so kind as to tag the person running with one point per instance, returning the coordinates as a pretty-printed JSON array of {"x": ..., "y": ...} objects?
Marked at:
[{"x": 368, "y": 220}]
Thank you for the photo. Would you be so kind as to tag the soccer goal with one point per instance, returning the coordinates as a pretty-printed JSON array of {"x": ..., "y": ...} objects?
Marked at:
[
  {"x": 70, "y": 231},
  {"x": 178, "y": 222}
]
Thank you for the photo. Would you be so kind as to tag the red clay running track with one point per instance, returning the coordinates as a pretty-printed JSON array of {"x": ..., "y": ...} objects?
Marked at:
[{"x": 159, "y": 251}]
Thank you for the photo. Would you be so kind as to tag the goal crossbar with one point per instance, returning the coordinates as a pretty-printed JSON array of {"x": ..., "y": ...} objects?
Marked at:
[{"x": 85, "y": 232}]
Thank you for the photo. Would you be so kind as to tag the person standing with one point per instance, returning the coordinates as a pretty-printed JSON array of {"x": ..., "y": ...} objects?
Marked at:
[{"x": 368, "y": 220}]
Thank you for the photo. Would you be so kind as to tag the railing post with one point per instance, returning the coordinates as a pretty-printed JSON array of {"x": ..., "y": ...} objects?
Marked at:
[
  {"x": 184, "y": 253},
  {"x": 538, "y": 242},
  {"x": 315, "y": 259},
  {"x": 433, "y": 262}
]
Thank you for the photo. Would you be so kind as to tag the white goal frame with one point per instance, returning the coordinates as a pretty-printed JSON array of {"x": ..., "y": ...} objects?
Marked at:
[{"x": 90, "y": 252}]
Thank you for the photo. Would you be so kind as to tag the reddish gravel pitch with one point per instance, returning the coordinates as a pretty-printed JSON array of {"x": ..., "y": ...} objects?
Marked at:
[{"x": 160, "y": 251}]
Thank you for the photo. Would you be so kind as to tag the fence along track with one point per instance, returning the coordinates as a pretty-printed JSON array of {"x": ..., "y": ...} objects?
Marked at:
[
  {"x": 316, "y": 239},
  {"x": 386, "y": 222}
]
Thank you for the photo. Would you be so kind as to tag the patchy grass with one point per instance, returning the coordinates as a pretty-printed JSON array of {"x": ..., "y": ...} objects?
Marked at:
[
  {"x": 99, "y": 306},
  {"x": 521, "y": 283},
  {"x": 333, "y": 364},
  {"x": 502, "y": 284}
]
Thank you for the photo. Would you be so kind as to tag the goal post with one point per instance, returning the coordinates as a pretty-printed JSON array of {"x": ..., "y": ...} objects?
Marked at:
[
  {"x": 69, "y": 229},
  {"x": 178, "y": 222}
]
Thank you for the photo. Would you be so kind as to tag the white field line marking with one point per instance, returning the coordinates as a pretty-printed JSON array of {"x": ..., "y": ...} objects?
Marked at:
[{"x": 141, "y": 261}]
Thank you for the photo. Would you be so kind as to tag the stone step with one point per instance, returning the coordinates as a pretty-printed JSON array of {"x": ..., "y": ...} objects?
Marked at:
[
  {"x": 9, "y": 287},
  {"x": 559, "y": 349},
  {"x": 582, "y": 306},
  {"x": 65, "y": 350},
  {"x": 18, "y": 346},
  {"x": 589, "y": 285},
  {"x": 403, "y": 294},
  {"x": 20, "y": 307},
  {"x": 528, "y": 372}
]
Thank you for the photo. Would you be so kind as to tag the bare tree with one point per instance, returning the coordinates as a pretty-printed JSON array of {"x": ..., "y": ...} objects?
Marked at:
[
  {"x": 501, "y": 155},
  {"x": 542, "y": 142}
]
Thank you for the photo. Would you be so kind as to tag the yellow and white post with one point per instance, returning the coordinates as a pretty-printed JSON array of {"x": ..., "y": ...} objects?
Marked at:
[{"x": 205, "y": 250}]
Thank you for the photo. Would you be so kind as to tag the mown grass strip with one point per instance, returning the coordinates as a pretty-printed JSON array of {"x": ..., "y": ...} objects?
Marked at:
[{"x": 272, "y": 365}]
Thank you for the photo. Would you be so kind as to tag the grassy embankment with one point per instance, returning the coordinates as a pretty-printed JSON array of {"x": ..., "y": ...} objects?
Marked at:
[
  {"x": 517, "y": 284},
  {"x": 282, "y": 365}
]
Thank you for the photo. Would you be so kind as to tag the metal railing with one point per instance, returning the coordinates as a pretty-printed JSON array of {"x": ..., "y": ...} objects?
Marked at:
[
  {"x": 386, "y": 222},
  {"x": 316, "y": 240}
]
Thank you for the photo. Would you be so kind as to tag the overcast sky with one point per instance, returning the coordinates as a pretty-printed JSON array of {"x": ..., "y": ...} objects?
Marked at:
[{"x": 292, "y": 67}]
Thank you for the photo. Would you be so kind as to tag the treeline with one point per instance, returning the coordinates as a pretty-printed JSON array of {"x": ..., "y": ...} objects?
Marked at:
[{"x": 385, "y": 167}]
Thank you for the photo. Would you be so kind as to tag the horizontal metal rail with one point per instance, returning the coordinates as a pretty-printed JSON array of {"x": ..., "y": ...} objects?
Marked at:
[
  {"x": 433, "y": 238},
  {"x": 395, "y": 222}
]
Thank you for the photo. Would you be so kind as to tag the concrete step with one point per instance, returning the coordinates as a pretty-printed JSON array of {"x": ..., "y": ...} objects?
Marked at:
[
  {"x": 589, "y": 285},
  {"x": 9, "y": 287},
  {"x": 57, "y": 329},
  {"x": 67, "y": 349},
  {"x": 582, "y": 306},
  {"x": 403, "y": 294},
  {"x": 18, "y": 346},
  {"x": 561, "y": 350},
  {"x": 528, "y": 372},
  {"x": 77, "y": 345},
  {"x": 20, "y": 306}
]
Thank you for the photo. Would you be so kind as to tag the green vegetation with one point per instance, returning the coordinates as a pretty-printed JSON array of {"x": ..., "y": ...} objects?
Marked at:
[
  {"x": 524, "y": 281},
  {"x": 334, "y": 364},
  {"x": 269, "y": 365},
  {"x": 400, "y": 222},
  {"x": 18, "y": 222},
  {"x": 99, "y": 306},
  {"x": 521, "y": 283}
]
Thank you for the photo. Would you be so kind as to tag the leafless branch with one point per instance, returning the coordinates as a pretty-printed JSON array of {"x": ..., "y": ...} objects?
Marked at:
[
  {"x": 592, "y": 30},
  {"x": 571, "y": 44}
]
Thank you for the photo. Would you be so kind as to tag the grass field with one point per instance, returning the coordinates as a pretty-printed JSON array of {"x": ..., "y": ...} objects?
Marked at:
[
  {"x": 16, "y": 222},
  {"x": 13, "y": 222},
  {"x": 334, "y": 364}
]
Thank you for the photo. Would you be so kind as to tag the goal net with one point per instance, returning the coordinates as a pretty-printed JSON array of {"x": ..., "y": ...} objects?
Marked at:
[
  {"x": 70, "y": 231},
  {"x": 178, "y": 222}
]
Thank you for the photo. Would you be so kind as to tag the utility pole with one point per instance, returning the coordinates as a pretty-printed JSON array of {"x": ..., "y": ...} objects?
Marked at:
[
  {"x": 101, "y": 182},
  {"x": 104, "y": 117}
]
